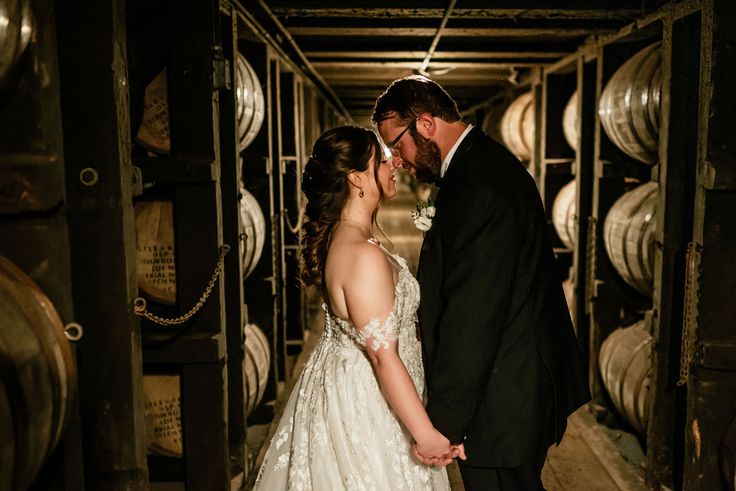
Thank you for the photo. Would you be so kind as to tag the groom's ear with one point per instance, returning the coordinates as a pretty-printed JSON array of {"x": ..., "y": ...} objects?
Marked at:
[{"x": 426, "y": 125}]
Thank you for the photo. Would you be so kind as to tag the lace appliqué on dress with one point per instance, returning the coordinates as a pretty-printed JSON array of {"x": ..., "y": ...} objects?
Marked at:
[{"x": 382, "y": 333}]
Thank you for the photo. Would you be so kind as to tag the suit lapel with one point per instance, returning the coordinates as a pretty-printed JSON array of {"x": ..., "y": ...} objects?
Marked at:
[
  {"x": 456, "y": 171},
  {"x": 430, "y": 269}
]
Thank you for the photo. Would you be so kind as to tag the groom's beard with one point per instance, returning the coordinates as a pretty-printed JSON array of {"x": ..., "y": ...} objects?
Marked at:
[{"x": 428, "y": 161}]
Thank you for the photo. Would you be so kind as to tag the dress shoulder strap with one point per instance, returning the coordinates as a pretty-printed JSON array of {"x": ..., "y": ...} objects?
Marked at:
[{"x": 388, "y": 253}]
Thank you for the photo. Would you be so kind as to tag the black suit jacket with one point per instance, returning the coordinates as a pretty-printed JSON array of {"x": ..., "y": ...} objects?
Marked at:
[{"x": 502, "y": 364}]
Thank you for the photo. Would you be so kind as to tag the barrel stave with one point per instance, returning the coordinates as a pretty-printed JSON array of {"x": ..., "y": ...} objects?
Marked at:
[
  {"x": 563, "y": 214},
  {"x": 625, "y": 367},
  {"x": 570, "y": 121},
  {"x": 628, "y": 236},
  {"x": 517, "y": 126}
]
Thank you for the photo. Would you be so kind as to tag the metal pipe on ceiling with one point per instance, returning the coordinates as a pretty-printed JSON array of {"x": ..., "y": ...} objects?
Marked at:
[{"x": 436, "y": 40}]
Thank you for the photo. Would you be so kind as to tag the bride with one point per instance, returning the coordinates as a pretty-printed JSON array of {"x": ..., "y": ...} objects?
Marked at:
[{"x": 355, "y": 419}]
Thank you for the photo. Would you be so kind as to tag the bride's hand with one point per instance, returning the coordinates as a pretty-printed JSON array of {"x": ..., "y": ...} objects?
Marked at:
[{"x": 435, "y": 449}]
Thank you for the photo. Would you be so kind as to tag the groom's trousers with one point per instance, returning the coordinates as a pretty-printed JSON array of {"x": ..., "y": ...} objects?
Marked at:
[
  {"x": 527, "y": 477},
  {"x": 524, "y": 478}
]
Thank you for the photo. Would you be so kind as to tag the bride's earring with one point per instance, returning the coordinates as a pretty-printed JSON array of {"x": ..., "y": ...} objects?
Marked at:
[{"x": 354, "y": 176}]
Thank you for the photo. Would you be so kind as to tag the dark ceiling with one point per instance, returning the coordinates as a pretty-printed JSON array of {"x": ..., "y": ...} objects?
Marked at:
[{"x": 354, "y": 49}]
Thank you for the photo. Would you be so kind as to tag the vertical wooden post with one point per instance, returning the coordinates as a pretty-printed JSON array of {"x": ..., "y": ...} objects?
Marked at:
[
  {"x": 198, "y": 351},
  {"x": 607, "y": 187},
  {"x": 678, "y": 151},
  {"x": 584, "y": 172},
  {"x": 290, "y": 188},
  {"x": 277, "y": 205},
  {"x": 259, "y": 288},
  {"x": 230, "y": 179},
  {"x": 99, "y": 189},
  {"x": 708, "y": 363},
  {"x": 537, "y": 98},
  {"x": 557, "y": 156}
]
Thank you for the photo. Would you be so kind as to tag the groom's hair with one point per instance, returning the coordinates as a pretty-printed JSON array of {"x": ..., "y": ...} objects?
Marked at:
[{"x": 411, "y": 96}]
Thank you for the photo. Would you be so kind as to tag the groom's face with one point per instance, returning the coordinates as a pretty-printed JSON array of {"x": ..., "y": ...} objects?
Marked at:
[
  {"x": 427, "y": 160},
  {"x": 420, "y": 156}
]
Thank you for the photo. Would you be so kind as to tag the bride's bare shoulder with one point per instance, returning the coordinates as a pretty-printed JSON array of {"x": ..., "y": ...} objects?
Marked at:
[
  {"x": 352, "y": 257},
  {"x": 356, "y": 269}
]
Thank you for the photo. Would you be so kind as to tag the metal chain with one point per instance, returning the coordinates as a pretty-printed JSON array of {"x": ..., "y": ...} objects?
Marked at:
[
  {"x": 299, "y": 219},
  {"x": 690, "y": 311},
  {"x": 590, "y": 257},
  {"x": 139, "y": 304}
]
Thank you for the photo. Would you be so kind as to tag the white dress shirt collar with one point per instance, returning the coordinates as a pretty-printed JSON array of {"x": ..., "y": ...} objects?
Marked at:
[{"x": 451, "y": 153}]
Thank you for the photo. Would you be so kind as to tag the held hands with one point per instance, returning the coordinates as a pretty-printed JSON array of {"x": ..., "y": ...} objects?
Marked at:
[{"x": 437, "y": 450}]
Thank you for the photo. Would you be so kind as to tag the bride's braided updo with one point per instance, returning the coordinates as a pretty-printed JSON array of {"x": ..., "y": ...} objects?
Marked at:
[{"x": 335, "y": 154}]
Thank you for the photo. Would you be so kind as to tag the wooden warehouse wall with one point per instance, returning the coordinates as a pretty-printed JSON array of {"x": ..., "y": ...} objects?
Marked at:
[
  {"x": 692, "y": 386},
  {"x": 72, "y": 169}
]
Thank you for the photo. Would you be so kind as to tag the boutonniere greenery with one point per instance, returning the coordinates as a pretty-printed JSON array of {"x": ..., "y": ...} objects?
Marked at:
[{"x": 423, "y": 215}]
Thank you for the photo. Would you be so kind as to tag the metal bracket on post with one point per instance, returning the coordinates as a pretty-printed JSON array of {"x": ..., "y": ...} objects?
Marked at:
[
  {"x": 137, "y": 181},
  {"x": 220, "y": 70},
  {"x": 590, "y": 258},
  {"x": 690, "y": 314}
]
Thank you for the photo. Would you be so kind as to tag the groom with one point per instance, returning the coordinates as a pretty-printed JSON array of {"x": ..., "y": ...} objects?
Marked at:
[{"x": 501, "y": 360}]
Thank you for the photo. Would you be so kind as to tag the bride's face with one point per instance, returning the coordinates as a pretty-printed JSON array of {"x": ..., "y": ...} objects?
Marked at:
[{"x": 387, "y": 176}]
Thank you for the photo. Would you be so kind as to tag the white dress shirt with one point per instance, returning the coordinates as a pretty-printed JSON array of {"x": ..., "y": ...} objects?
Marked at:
[{"x": 451, "y": 153}]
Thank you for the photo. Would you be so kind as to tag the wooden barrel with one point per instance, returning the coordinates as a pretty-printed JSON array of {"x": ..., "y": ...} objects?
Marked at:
[
  {"x": 38, "y": 379},
  {"x": 629, "y": 105},
  {"x": 162, "y": 394},
  {"x": 517, "y": 126},
  {"x": 628, "y": 235},
  {"x": 156, "y": 260},
  {"x": 563, "y": 214},
  {"x": 250, "y": 105},
  {"x": 492, "y": 121},
  {"x": 16, "y": 30},
  {"x": 244, "y": 100},
  {"x": 155, "y": 254},
  {"x": 625, "y": 367},
  {"x": 256, "y": 365},
  {"x": 153, "y": 132},
  {"x": 254, "y": 231},
  {"x": 570, "y": 121}
]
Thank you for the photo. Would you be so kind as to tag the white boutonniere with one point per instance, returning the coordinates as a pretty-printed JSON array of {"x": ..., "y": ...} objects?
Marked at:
[{"x": 423, "y": 215}]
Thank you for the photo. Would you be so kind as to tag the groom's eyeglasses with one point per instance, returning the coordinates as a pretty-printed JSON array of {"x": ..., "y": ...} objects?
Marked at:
[{"x": 391, "y": 146}]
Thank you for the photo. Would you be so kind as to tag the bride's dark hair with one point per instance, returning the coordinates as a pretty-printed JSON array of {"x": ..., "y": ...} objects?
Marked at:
[{"x": 335, "y": 154}]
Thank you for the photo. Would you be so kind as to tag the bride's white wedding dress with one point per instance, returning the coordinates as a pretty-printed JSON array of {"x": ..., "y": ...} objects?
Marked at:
[{"x": 337, "y": 430}]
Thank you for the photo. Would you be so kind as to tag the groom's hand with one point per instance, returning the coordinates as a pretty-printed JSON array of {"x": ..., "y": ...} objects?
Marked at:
[{"x": 459, "y": 451}]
